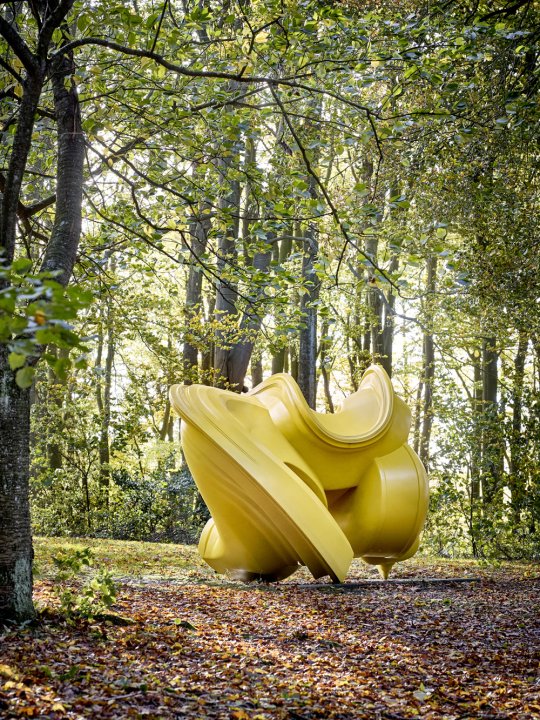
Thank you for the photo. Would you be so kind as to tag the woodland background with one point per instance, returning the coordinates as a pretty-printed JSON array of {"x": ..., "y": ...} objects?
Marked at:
[{"x": 287, "y": 185}]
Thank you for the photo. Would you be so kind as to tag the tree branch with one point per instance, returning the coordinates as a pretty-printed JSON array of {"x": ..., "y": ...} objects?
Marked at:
[
  {"x": 180, "y": 69},
  {"x": 17, "y": 44},
  {"x": 11, "y": 70},
  {"x": 51, "y": 23},
  {"x": 508, "y": 10}
]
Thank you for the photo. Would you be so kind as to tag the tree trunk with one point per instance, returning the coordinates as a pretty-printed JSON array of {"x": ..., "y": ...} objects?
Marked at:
[
  {"x": 516, "y": 479},
  {"x": 418, "y": 415},
  {"x": 278, "y": 361},
  {"x": 388, "y": 324},
  {"x": 256, "y": 372},
  {"x": 374, "y": 341},
  {"x": 227, "y": 252},
  {"x": 54, "y": 398},
  {"x": 307, "y": 356},
  {"x": 492, "y": 440},
  {"x": 198, "y": 231},
  {"x": 476, "y": 460},
  {"x": 429, "y": 365},
  {"x": 232, "y": 360},
  {"x": 59, "y": 256},
  {"x": 326, "y": 345},
  {"x": 103, "y": 398},
  {"x": 294, "y": 365},
  {"x": 207, "y": 370},
  {"x": 15, "y": 533},
  {"x": 166, "y": 429}
]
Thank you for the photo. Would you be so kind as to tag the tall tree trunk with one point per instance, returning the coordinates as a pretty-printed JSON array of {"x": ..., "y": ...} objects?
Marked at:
[
  {"x": 429, "y": 364},
  {"x": 279, "y": 354},
  {"x": 60, "y": 254},
  {"x": 227, "y": 252},
  {"x": 476, "y": 460},
  {"x": 103, "y": 397},
  {"x": 198, "y": 232},
  {"x": 516, "y": 479},
  {"x": 15, "y": 533},
  {"x": 389, "y": 323},
  {"x": 278, "y": 361},
  {"x": 294, "y": 364},
  {"x": 307, "y": 356},
  {"x": 55, "y": 397},
  {"x": 207, "y": 356},
  {"x": 232, "y": 360},
  {"x": 239, "y": 355},
  {"x": 166, "y": 429},
  {"x": 492, "y": 439},
  {"x": 326, "y": 344},
  {"x": 418, "y": 414},
  {"x": 375, "y": 306},
  {"x": 256, "y": 372}
]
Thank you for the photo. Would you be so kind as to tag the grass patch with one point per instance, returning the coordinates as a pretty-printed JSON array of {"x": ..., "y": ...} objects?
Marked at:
[
  {"x": 165, "y": 561},
  {"x": 124, "y": 558}
]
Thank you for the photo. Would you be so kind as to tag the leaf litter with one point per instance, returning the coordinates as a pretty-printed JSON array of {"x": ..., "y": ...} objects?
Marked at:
[{"x": 200, "y": 650}]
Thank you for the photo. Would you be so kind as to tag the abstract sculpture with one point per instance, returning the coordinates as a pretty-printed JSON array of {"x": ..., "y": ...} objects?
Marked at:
[{"x": 287, "y": 486}]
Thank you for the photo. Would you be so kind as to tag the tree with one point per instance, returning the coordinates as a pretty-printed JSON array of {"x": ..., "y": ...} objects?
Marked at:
[{"x": 35, "y": 71}]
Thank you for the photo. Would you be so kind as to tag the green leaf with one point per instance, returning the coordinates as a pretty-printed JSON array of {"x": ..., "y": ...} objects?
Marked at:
[
  {"x": 16, "y": 360},
  {"x": 61, "y": 366},
  {"x": 21, "y": 265},
  {"x": 25, "y": 376}
]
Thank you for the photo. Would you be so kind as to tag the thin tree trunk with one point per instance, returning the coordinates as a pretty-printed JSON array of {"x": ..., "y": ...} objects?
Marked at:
[
  {"x": 198, "y": 231},
  {"x": 307, "y": 357},
  {"x": 239, "y": 355},
  {"x": 232, "y": 361},
  {"x": 326, "y": 345},
  {"x": 165, "y": 431},
  {"x": 388, "y": 324},
  {"x": 294, "y": 364},
  {"x": 429, "y": 365},
  {"x": 256, "y": 372},
  {"x": 207, "y": 355},
  {"x": 476, "y": 461},
  {"x": 227, "y": 252},
  {"x": 279, "y": 355},
  {"x": 492, "y": 441},
  {"x": 516, "y": 479},
  {"x": 55, "y": 398},
  {"x": 278, "y": 361},
  {"x": 103, "y": 399},
  {"x": 418, "y": 415},
  {"x": 374, "y": 304}
]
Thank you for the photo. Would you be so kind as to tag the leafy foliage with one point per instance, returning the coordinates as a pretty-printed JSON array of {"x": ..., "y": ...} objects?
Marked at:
[{"x": 96, "y": 595}]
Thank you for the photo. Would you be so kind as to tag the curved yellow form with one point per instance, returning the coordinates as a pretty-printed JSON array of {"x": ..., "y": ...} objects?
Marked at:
[{"x": 287, "y": 486}]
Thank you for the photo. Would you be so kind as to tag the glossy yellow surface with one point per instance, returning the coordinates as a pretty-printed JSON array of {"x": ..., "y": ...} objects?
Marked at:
[{"x": 287, "y": 486}]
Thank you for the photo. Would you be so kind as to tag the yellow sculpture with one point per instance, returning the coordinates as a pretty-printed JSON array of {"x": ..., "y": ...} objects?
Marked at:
[{"x": 287, "y": 486}]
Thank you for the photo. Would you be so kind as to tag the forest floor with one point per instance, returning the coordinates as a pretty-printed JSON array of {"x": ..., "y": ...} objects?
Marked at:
[{"x": 195, "y": 646}]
